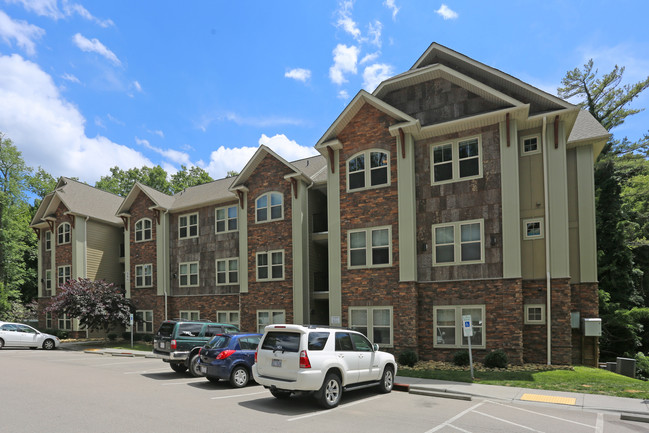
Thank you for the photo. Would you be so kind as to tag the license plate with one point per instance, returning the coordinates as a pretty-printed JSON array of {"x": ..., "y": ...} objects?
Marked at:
[
  {"x": 203, "y": 369},
  {"x": 276, "y": 363},
  {"x": 162, "y": 345}
]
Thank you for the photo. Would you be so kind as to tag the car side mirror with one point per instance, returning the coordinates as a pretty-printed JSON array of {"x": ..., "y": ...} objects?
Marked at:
[{"x": 375, "y": 346}]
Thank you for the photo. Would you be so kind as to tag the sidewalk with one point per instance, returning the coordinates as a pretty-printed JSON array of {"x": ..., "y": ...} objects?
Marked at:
[{"x": 636, "y": 408}]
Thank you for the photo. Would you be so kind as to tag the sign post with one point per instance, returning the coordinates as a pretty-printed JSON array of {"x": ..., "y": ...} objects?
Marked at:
[
  {"x": 467, "y": 330},
  {"x": 131, "y": 321}
]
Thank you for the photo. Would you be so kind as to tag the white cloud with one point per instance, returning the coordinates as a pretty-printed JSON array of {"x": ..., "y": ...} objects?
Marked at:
[
  {"x": 298, "y": 74},
  {"x": 370, "y": 57},
  {"x": 70, "y": 8},
  {"x": 50, "y": 131},
  {"x": 345, "y": 19},
  {"x": 50, "y": 9},
  {"x": 71, "y": 78},
  {"x": 343, "y": 94},
  {"x": 392, "y": 6},
  {"x": 374, "y": 74},
  {"x": 94, "y": 46},
  {"x": 446, "y": 12},
  {"x": 23, "y": 33},
  {"x": 259, "y": 122},
  {"x": 170, "y": 154},
  {"x": 137, "y": 86},
  {"x": 374, "y": 32},
  {"x": 345, "y": 60}
]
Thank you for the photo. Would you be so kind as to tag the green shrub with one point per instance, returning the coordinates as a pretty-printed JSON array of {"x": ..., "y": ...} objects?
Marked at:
[
  {"x": 61, "y": 334},
  {"x": 126, "y": 335},
  {"x": 461, "y": 358},
  {"x": 408, "y": 358},
  {"x": 147, "y": 338},
  {"x": 496, "y": 359},
  {"x": 641, "y": 366},
  {"x": 112, "y": 337}
]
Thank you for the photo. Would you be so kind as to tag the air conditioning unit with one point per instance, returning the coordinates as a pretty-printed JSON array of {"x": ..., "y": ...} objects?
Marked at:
[{"x": 592, "y": 327}]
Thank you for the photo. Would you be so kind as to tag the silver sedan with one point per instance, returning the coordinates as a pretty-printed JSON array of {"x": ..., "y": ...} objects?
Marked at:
[{"x": 19, "y": 335}]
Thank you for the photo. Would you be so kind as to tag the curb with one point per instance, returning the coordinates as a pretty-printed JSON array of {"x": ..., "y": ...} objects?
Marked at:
[{"x": 634, "y": 418}]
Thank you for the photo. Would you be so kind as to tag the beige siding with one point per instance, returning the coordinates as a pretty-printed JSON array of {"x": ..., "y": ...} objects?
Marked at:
[
  {"x": 103, "y": 253},
  {"x": 573, "y": 215}
]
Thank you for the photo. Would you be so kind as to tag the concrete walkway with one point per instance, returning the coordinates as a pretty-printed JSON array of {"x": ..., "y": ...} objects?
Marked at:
[{"x": 629, "y": 408}]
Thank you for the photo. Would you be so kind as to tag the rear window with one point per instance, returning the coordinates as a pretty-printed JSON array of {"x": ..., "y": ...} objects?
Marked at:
[
  {"x": 189, "y": 329},
  {"x": 318, "y": 340},
  {"x": 218, "y": 342},
  {"x": 286, "y": 341},
  {"x": 166, "y": 329}
]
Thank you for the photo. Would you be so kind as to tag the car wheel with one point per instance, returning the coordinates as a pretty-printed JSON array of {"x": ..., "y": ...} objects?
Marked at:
[
  {"x": 239, "y": 377},
  {"x": 193, "y": 366},
  {"x": 280, "y": 394},
  {"x": 2, "y": 343},
  {"x": 178, "y": 367},
  {"x": 387, "y": 380},
  {"x": 48, "y": 344},
  {"x": 213, "y": 379},
  {"x": 329, "y": 395}
]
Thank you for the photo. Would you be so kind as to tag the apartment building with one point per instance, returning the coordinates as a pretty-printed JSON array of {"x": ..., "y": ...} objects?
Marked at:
[{"x": 452, "y": 190}]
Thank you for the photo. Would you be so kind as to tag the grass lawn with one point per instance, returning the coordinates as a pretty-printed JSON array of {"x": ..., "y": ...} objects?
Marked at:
[{"x": 580, "y": 379}]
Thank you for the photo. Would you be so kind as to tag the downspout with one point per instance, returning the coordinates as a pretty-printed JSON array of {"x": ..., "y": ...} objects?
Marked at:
[
  {"x": 164, "y": 248},
  {"x": 548, "y": 283}
]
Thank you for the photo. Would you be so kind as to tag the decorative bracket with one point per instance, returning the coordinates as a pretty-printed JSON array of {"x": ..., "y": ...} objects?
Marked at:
[
  {"x": 403, "y": 143},
  {"x": 331, "y": 159},
  {"x": 294, "y": 183},
  {"x": 124, "y": 221},
  {"x": 556, "y": 132},
  {"x": 507, "y": 127},
  {"x": 240, "y": 195}
]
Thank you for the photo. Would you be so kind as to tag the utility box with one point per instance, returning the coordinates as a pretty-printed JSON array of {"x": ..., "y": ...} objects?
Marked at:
[
  {"x": 574, "y": 319},
  {"x": 592, "y": 327},
  {"x": 626, "y": 367}
]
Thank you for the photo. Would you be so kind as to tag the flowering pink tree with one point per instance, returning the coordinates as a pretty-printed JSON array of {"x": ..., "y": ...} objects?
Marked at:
[{"x": 97, "y": 304}]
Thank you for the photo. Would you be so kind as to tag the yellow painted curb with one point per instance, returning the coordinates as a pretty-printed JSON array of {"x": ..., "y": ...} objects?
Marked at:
[{"x": 549, "y": 399}]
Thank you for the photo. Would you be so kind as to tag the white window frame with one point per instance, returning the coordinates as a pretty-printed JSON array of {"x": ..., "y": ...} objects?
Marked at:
[
  {"x": 142, "y": 231},
  {"x": 48, "y": 240},
  {"x": 48, "y": 279},
  {"x": 269, "y": 195},
  {"x": 65, "y": 322},
  {"x": 269, "y": 264},
  {"x": 188, "y": 274},
  {"x": 231, "y": 317},
  {"x": 145, "y": 324},
  {"x": 188, "y": 225},
  {"x": 63, "y": 274},
  {"x": 457, "y": 243},
  {"x": 455, "y": 160},
  {"x": 459, "y": 310},
  {"x": 367, "y": 170},
  {"x": 64, "y": 234},
  {"x": 226, "y": 220},
  {"x": 370, "y": 326},
  {"x": 141, "y": 275},
  {"x": 227, "y": 271},
  {"x": 48, "y": 320},
  {"x": 522, "y": 141},
  {"x": 527, "y": 222},
  {"x": 529, "y": 321},
  {"x": 369, "y": 247},
  {"x": 273, "y": 316},
  {"x": 190, "y": 314}
]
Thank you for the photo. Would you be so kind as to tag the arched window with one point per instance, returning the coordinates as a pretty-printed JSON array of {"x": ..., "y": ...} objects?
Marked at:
[
  {"x": 269, "y": 207},
  {"x": 368, "y": 169},
  {"x": 64, "y": 233},
  {"x": 143, "y": 230}
]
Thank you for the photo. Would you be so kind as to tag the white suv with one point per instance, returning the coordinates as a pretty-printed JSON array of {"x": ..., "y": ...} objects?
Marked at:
[{"x": 295, "y": 358}]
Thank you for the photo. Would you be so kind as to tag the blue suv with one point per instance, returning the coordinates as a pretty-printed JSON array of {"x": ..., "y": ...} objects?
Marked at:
[{"x": 229, "y": 357}]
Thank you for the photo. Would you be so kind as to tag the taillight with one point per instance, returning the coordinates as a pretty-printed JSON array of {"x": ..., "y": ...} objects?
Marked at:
[
  {"x": 304, "y": 360},
  {"x": 256, "y": 356},
  {"x": 172, "y": 345},
  {"x": 225, "y": 354},
  {"x": 199, "y": 350}
]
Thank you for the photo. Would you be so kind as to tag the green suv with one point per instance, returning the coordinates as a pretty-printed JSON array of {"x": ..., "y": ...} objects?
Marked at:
[{"x": 178, "y": 342}]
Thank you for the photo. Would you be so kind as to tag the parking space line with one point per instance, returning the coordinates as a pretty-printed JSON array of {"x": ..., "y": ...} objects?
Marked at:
[
  {"x": 342, "y": 406},
  {"x": 119, "y": 363},
  {"x": 458, "y": 428},
  {"x": 539, "y": 413},
  {"x": 239, "y": 395},
  {"x": 506, "y": 421},
  {"x": 455, "y": 418},
  {"x": 599, "y": 426},
  {"x": 147, "y": 371},
  {"x": 185, "y": 382}
]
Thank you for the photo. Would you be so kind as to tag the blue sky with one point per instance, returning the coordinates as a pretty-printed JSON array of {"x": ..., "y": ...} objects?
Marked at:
[{"x": 88, "y": 85}]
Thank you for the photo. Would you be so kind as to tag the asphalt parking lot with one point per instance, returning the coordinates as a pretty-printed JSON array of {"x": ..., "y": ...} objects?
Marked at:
[{"x": 79, "y": 391}]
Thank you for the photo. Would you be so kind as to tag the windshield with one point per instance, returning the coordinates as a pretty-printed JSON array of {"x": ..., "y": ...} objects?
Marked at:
[
  {"x": 286, "y": 341},
  {"x": 218, "y": 342}
]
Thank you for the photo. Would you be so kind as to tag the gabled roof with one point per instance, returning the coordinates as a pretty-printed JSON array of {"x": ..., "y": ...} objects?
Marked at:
[
  {"x": 353, "y": 107},
  {"x": 81, "y": 200},
  {"x": 588, "y": 130},
  {"x": 539, "y": 100},
  {"x": 161, "y": 200},
  {"x": 202, "y": 195}
]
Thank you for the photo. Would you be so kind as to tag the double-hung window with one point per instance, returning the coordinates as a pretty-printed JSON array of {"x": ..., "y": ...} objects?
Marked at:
[
  {"x": 269, "y": 207},
  {"x": 143, "y": 230},
  {"x": 374, "y": 322},
  {"x": 227, "y": 271},
  {"x": 188, "y": 274},
  {"x": 48, "y": 240},
  {"x": 270, "y": 265},
  {"x": 191, "y": 315},
  {"x": 369, "y": 247},
  {"x": 457, "y": 160},
  {"x": 230, "y": 317},
  {"x": 458, "y": 243},
  {"x": 64, "y": 233},
  {"x": 144, "y": 275},
  {"x": 226, "y": 219},
  {"x": 65, "y": 322},
  {"x": 144, "y": 321},
  {"x": 188, "y": 226},
  {"x": 63, "y": 274},
  {"x": 448, "y": 325},
  {"x": 269, "y": 317},
  {"x": 368, "y": 169}
]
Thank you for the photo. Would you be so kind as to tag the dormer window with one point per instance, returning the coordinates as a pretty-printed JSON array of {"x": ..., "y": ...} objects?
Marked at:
[
  {"x": 269, "y": 207},
  {"x": 64, "y": 233},
  {"x": 143, "y": 230},
  {"x": 368, "y": 169}
]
